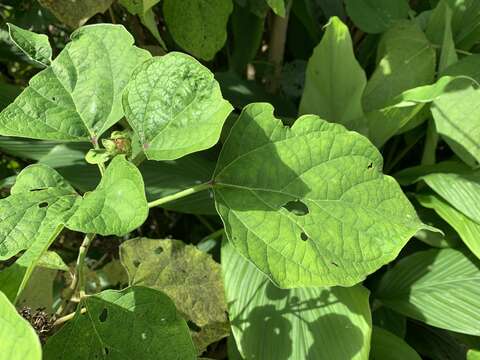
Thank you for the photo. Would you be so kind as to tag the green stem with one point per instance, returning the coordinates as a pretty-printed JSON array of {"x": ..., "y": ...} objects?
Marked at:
[
  {"x": 82, "y": 253},
  {"x": 139, "y": 158},
  {"x": 214, "y": 235},
  {"x": 180, "y": 194},
  {"x": 463, "y": 52}
]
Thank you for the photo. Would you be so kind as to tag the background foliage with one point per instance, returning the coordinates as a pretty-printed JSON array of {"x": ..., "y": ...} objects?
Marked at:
[{"x": 293, "y": 238}]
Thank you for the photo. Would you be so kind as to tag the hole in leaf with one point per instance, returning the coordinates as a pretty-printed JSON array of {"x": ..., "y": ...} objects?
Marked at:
[
  {"x": 303, "y": 236},
  {"x": 103, "y": 315},
  {"x": 158, "y": 250},
  {"x": 106, "y": 350},
  {"x": 39, "y": 189},
  {"x": 53, "y": 98},
  {"x": 194, "y": 327},
  {"x": 296, "y": 207},
  {"x": 370, "y": 165},
  {"x": 43, "y": 204},
  {"x": 136, "y": 263},
  {"x": 334, "y": 264}
]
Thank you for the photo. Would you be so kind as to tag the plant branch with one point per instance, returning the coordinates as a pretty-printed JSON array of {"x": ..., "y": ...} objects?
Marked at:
[
  {"x": 68, "y": 317},
  {"x": 277, "y": 48},
  {"x": 180, "y": 194}
]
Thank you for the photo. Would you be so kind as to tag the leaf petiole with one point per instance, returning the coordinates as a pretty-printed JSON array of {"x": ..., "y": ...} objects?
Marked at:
[{"x": 180, "y": 194}]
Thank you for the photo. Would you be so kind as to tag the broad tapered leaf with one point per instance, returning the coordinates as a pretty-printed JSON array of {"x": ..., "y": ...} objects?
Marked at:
[
  {"x": 117, "y": 206},
  {"x": 197, "y": 26},
  {"x": 465, "y": 22},
  {"x": 457, "y": 119},
  {"x": 386, "y": 345},
  {"x": 468, "y": 229},
  {"x": 175, "y": 106},
  {"x": 309, "y": 205},
  {"x": 438, "y": 287},
  {"x": 402, "y": 109},
  {"x": 78, "y": 97},
  {"x": 190, "y": 277},
  {"x": 335, "y": 81},
  {"x": 19, "y": 340},
  {"x": 407, "y": 60},
  {"x": 373, "y": 16},
  {"x": 75, "y": 13},
  {"x": 309, "y": 323},
  {"x": 35, "y": 46},
  {"x": 40, "y": 201},
  {"x": 461, "y": 189},
  {"x": 135, "y": 323}
]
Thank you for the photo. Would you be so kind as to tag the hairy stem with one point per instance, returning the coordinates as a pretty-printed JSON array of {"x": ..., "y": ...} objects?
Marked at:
[{"x": 180, "y": 194}]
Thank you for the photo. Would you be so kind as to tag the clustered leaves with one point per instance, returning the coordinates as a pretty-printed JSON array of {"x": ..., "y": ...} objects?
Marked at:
[{"x": 310, "y": 210}]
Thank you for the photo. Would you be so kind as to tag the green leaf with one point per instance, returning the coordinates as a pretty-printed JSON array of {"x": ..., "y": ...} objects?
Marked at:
[
  {"x": 38, "y": 294},
  {"x": 197, "y": 26},
  {"x": 390, "y": 320},
  {"x": 374, "y": 16},
  {"x": 465, "y": 22},
  {"x": 53, "y": 261},
  {"x": 117, "y": 206},
  {"x": 466, "y": 228},
  {"x": 386, "y": 345},
  {"x": 19, "y": 340},
  {"x": 402, "y": 109},
  {"x": 462, "y": 190},
  {"x": 136, "y": 322},
  {"x": 40, "y": 201},
  {"x": 321, "y": 188},
  {"x": 333, "y": 62},
  {"x": 188, "y": 276},
  {"x": 457, "y": 119},
  {"x": 406, "y": 61},
  {"x": 144, "y": 9},
  {"x": 35, "y": 46},
  {"x": 307, "y": 323},
  {"x": 175, "y": 106},
  {"x": 79, "y": 96},
  {"x": 438, "y": 287},
  {"x": 76, "y": 13},
  {"x": 278, "y": 6}
]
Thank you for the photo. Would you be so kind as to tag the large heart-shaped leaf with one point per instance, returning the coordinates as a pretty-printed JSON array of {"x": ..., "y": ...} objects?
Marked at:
[
  {"x": 175, "y": 106},
  {"x": 137, "y": 322},
  {"x": 309, "y": 323},
  {"x": 117, "y": 206},
  {"x": 438, "y": 287},
  {"x": 19, "y": 340},
  {"x": 197, "y": 26},
  {"x": 190, "y": 277},
  {"x": 79, "y": 96},
  {"x": 309, "y": 205},
  {"x": 40, "y": 201}
]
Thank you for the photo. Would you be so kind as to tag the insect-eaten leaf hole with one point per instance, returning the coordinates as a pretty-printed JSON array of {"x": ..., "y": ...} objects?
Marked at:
[
  {"x": 296, "y": 207},
  {"x": 158, "y": 250},
  {"x": 136, "y": 263},
  {"x": 43, "y": 204},
  {"x": 370, "y": 165},
  {"x": 304, "y": 236},
  {"x": 103, "y": 315},
  {"x": 194, "y": 327},
  {"x": 334, "y": 263},
  {"x": 106, "y": 350},
  {"x": 39, "y": 189}
]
